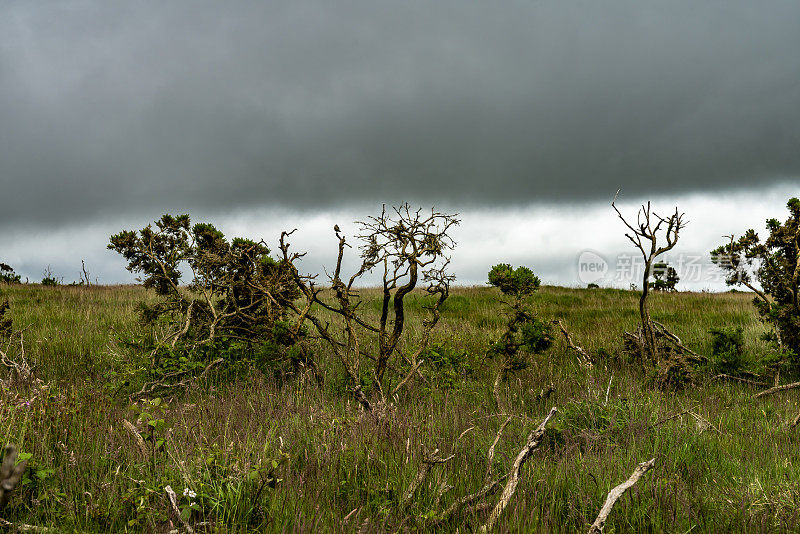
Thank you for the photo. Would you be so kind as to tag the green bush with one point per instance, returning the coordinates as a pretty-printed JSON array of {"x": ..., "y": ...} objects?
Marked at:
[
  {"x": 449, "y": 366},
  {"x": 727, "y": 350}
]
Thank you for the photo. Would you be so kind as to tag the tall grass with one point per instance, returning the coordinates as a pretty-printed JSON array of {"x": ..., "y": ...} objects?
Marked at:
[{"x": 295, "y": 456}]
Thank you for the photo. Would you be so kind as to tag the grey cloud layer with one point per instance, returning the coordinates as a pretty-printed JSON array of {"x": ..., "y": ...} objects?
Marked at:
[{"x": 107, "y": 108}]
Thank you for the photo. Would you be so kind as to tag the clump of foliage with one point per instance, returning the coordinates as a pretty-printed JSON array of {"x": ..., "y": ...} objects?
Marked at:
[
  {"x": 665, "y": 277},
  {"x": 7, "y": 274},
  {"x": 525, "y": 334},
  {"x": 773, "y": 264},
  {"x": 49, "y": 278},
  {"x": 6, "y": 323},
  {"x": 449, "y": 366},
  {"x": 234, "y": 308},
  {"x": 727, "y": 349}
]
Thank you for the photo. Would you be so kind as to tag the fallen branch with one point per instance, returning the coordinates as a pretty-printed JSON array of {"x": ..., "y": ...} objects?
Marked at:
[
  {"x": 673, "y": 416},
  {"x": 137, "y": 438},
  {"x": 165, "y": 383},
  {"x": 616, "y": 493},
  {"x": 10, "y": 474},
  {"x": 22, "y": 527},
  {"x": 174, "y": 510},
  {"x": 675, "y": 340},
  {"x": 534, "y": 440},
  {"x": 427, "y": 465},
  {"x": 490, "y": 453},
  {"x": 739, "y": 379},
  {"x": 583, "y": 357},
  {"x": 795, "y": 421},
  {"x": 487, "y": 490},
  {"x": 776, "y": 389}
]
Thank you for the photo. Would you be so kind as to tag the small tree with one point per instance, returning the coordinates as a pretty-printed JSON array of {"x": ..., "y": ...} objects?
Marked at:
[
  {"x": 645, "y": 236},
  {"x": 235, "y": 305},
  {"x": 525, "y": 335},
  {"x": 409, "y": 248},
  {"x": 7, "y": 274},
  {"x": 665, "y": 277},
  {"x": 50, "y": 278},
  {"x": 774, "y": 265}
]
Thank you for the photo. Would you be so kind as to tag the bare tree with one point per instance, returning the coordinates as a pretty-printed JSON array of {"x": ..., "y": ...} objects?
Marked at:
[
  {"x": 409, "y": 247},
  {"x": 645, "y": 236}
]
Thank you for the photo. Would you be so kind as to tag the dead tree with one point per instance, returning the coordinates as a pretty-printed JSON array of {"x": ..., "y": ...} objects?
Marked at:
[
  {"x": 410, "y": 248},
  {"x": 645, "y": 236}
]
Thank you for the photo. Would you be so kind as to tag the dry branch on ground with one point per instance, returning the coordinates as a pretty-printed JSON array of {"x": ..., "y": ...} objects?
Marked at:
[{"x": 616, "y": 493}]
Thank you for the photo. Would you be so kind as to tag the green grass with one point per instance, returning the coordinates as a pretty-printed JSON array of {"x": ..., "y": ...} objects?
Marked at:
[{"x": 730, "y": 465}]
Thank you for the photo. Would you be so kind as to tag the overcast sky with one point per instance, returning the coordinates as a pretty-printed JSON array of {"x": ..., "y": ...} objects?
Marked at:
[{"x": 523, "y": 116}]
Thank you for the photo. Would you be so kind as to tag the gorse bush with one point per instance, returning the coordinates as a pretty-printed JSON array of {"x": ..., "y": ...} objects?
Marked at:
[
  {"x": 525, "y": 334},
  {"x": 233, "y": 310},
  {"x": 775, "y": 265},
  {"x": 727, "y": 349},
  {"x": 665, "y": 277},
  {"x": 7, "y": 274},
  {"x": 448, "y": 366}
]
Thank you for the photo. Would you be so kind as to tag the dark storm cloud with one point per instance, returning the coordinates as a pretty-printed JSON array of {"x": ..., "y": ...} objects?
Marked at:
[{"x": 114, "y": 108}]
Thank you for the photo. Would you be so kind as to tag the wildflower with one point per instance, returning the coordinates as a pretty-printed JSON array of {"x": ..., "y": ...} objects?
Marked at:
[{"x": 189, "y": 493}]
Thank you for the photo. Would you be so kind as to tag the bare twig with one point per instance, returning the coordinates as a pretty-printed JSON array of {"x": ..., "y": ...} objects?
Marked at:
[
  {"x": 723, "y": 376},
  {"x": 427, "y": 464},
  {"x": 776, "y": 389},
  {"x": 22, "y": 527},
  {"x": 616, "y": 493},
  {"x": 534, "y": 440},
  {"x": 490, "y": 453},
  {"x": 583, "y": 357},
  {"x": 673, "y": 416}
]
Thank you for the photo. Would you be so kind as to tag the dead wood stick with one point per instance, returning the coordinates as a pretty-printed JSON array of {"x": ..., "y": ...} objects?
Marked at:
[
  {"x": 137, "y": 438},
  {"x": 583, "y": 357},
  {"x": 490, "y": 453},
  {"x": 174, "y": 510},
  {"x": 487, "y": 490},
  {"x": 673, "y": 416},
  {"x": 413, "y": 370},
  {"x": 795, "y": 421},
  {"x": 616, "y": 493},
  {"x": 740, "y": 379},
  {"x": 534, "y": 440},
  {"x": 10, "y": 473},
  {"x": 675, "y": 340},
  {"x": 427, "y": 465},
  {"x": 22, "y": 527},
  {"x": 776, "y": 389}
]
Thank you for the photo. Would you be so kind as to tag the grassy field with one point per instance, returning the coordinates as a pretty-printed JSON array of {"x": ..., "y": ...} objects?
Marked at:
[{"x": 297, "y": 456}]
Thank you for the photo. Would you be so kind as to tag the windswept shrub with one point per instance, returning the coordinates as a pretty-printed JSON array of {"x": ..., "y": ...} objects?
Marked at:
[
  {"x": 525, "y": 334},
  {"x": 7, "y": 274},
  {"x": 665, "y": 277},
  {"x": 774, "y": 265},
  {"x": 50, "y": 279},
  {"x": 233, "y": 310}
]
